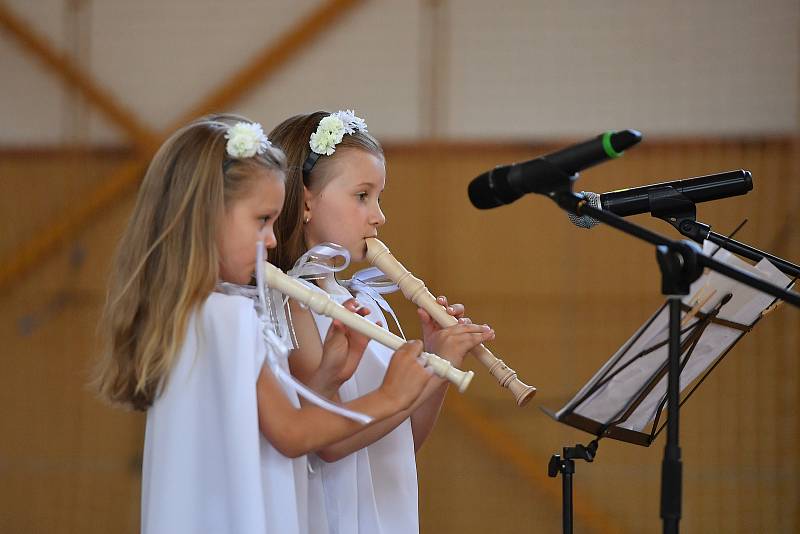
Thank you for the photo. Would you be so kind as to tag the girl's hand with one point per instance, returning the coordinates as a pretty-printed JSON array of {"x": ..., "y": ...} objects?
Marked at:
[
  {"x": 452, "y": 342},
  {"x": 341, "y": 353},
  {"x": 429, "y": 326},
  {"x": 405, "y": 377}
]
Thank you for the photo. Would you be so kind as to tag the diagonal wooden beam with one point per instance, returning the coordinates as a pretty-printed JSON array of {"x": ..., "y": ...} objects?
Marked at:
[
  {"x": 506, "y": 447},
  {"x": 264, "y": 64},
  {"x": 73, "y": 76},
  {"x": 29, "y": 254},
  {"x": 271, "y": 58}
]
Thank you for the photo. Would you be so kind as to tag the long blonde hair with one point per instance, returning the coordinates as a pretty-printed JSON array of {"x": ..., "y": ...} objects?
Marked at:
[
  {"x": 292, "y": 135},
  {"x": 167, "y": 261}
]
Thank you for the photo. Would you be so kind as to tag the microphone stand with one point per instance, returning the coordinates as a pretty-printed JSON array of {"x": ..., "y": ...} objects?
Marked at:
[
  {"x": 681, "y": 263},
  {"x": 565, "y": 465},
  {"x": 680, "y": 211}
]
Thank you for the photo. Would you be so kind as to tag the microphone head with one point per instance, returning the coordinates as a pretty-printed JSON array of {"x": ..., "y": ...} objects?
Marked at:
[
  {"x": 623, "y": 140},
  {"x": 584, "y": 221},
  {"x": 747, "y": 176},
  {"x": 480, "y": 193},
  {"x": 491, "y": 189}
]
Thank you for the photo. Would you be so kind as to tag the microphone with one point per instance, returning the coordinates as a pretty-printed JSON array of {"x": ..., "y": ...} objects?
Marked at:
[
  {"x": 638, "y": 199},
  {"x": 505, "y": 184}
]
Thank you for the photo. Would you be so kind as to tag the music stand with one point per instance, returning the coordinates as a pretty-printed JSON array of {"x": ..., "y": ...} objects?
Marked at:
[{"x": 626, "y": 399}]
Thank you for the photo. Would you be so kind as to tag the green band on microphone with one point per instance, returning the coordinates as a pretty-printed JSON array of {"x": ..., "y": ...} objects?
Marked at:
[{"x": 609, "y": 150}]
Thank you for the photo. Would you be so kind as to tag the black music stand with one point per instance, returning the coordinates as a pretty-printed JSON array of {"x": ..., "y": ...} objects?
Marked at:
[{"x": 626, "y": 399}]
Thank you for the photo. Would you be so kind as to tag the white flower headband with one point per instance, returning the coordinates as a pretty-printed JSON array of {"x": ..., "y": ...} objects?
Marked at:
[
  {"x": 330, "y": 132},
  {"x": 245, "y": 140}
]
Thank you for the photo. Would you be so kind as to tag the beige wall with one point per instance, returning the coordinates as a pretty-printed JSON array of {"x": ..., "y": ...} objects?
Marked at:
[{"x": 561, "y": 300}]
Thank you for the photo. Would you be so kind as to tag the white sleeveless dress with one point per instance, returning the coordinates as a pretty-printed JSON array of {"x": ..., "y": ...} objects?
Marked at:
[
  {"x": 373, "y": 490},
  {"x": 207, "y": 467}
]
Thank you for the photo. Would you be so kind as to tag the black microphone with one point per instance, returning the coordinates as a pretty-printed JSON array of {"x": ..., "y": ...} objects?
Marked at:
[
  {"x": 545, "y": 174},
  {"x": 637, "y": 200}
]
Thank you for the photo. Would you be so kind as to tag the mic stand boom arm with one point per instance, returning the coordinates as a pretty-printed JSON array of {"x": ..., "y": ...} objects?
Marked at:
[
  {"x": 679, "y": 210},
  {"x": 575, "y": 203}
]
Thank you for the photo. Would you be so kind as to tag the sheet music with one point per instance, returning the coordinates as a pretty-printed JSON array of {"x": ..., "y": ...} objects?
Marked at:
[{"x": 613, "y": 398}]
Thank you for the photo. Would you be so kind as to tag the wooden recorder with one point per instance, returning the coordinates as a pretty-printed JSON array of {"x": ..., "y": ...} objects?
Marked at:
[
  {"x": 414, "y": 289},
  {"x": 321, "y": 302}
]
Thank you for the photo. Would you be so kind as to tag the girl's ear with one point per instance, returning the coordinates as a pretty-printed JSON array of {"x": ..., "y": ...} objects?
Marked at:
[{"x": 307, "y": 202}]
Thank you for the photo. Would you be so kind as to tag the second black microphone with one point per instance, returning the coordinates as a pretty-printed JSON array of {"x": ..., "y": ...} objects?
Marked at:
[{"x": 699, "y": 189}]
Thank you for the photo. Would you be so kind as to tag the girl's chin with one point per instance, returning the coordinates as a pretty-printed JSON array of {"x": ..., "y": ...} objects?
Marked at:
[{"x": 360, "y": 254}]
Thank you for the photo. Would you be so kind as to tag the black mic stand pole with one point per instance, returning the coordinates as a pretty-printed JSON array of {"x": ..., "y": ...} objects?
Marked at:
[
  {"x": 751, "y": 253},
  {"x": 681, "y": 263}
]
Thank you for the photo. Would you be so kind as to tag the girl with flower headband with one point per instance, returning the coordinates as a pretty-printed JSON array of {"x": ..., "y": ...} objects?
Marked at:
[
  {"x": 336, "y": 176},
  {"x": 204, "y": 353}
]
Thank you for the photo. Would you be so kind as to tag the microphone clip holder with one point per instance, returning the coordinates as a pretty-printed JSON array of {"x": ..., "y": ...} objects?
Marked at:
[
  {"x": 672, "y": 206},
  {"x": 552, "y": 180},
  {"x": 679, "y": 267}
]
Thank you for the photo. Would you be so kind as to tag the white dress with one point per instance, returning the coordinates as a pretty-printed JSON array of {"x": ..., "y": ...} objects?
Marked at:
[
  {"x": 373, "y": 490},
  {"x": 207, "y": 468}
]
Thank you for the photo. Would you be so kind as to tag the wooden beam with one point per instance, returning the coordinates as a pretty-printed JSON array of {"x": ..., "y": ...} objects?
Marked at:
[
  {"x": 73, "y": 221},
  {"x": 73, "y": 76},
  {"x": 271, "y": 58},
  {"x": 31, "y": 253}
]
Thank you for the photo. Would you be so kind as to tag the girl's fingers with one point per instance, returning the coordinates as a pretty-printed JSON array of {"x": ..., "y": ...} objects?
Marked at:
[
  {"x": 425, "y": 318},
  {"x": 467, "y": 328},
  {"x": 442, "y": 301},
  {"x": 456, "y": 310},
  {"x": 354, "y": 306},
  {"x": 336, "y": 328}
]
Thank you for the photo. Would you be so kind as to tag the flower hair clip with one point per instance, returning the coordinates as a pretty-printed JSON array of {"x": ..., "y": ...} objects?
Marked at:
[
  {"x": 245, "y": 140},
  {"x": 329, "y": 133}
]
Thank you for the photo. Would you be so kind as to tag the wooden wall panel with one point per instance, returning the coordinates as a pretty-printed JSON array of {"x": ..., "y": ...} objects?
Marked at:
[{"x": 562, "y": 300}]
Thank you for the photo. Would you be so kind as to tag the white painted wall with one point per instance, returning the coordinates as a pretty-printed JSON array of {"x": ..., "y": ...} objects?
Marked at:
[
  {"x": 703, "y": 67},
  {"x": 512, "y": 69}
]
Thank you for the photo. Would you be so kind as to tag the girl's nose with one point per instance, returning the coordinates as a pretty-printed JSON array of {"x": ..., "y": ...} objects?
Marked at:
[
  {"x": 379, "y": 219},
  {"x": 269, "y": 240}
]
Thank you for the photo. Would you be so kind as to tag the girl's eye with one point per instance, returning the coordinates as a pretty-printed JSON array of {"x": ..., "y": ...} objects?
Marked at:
[{"x": 362, "y": 196}]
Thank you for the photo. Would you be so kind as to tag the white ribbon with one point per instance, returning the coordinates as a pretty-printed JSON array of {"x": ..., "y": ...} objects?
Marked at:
[
  {"x": 375, "y": 283},
  {"x": 321, "y": 261},
  {"x": 273, "y": 340}
]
